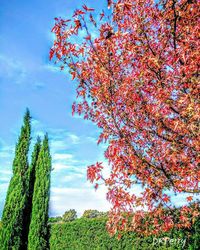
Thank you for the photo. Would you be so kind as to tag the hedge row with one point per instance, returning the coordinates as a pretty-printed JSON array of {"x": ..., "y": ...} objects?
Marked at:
[{"x": 90, "y": 234}]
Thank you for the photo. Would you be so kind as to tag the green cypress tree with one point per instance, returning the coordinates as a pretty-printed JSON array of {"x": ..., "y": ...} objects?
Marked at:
[
  {"x": 38, "y": 230},
  {"x": 11, "y": 236},
  {"x": 31, "y": 182}
]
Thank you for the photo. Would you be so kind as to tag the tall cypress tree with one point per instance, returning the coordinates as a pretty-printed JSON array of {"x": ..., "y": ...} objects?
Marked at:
[
  {"x": 31, "y": 182},
  {"x": 38, "y": 230},
  {"x": 11, "y": 236}
]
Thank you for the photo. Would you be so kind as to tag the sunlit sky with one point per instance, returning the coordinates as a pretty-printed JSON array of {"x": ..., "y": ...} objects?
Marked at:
[{"x": 28, "y": 79}]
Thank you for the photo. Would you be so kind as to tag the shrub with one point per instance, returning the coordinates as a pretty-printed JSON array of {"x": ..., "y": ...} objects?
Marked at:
[
  {"x": 91, "y": 214},
  {"x": 91, "y": 234},
  {"x": 70, "y": 215},
  {"x": 55, "y": 219}
]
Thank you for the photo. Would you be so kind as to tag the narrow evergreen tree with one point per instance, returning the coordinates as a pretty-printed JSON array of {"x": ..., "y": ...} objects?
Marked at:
[
  {"x": 31, "y": 182},
  {"x": 38, "y": 230},
  {"x": 11, "y": 236}
]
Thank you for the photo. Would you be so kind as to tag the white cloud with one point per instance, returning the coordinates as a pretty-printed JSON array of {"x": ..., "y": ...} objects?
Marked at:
[
  {"x": 92, "y": 139},
  {"x": 60, "y": 166},
  {"x": 64, "y": 161},
  {"x": 69, "y": 186},
  {"x": 76, "y": 116},
  {"x": 35, "y": 123},
  {"x": 106, "y": 168},
  {"x": 6, "y": 157},
  {"x": 62, "y": 156},
  {"x": 4, "y": 179},
  {"x": 64, "y": 136},
  {"x": 72, "y": 177},
  {"x": 52, "y": 68},
  {"x": 5, "y": 171},
  {"x": 57, "y": 145},
  {"x": 79, "y": 199},
  {"x": 3, "y": 186},
  {"x": 74, "y": 138},
  {"x": 181, "y": 198},
  {"x": 4, "y": 154}
]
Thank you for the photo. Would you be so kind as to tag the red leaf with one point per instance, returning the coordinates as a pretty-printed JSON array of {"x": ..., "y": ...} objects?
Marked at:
[
  {"x": 189, "y": 198},
  {"x": 87, "y": 9},
  {"x": 51, "y": 53},
  {"x": 109, "y": 3}
]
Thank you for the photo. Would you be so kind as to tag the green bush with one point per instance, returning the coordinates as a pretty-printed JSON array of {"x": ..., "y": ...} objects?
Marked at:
[
  {"x": 90, "y": 213},
  {"x": 55, "y": 219},
  {"x": 91, "y": 234},
  {"x": 69, "y": 215}
]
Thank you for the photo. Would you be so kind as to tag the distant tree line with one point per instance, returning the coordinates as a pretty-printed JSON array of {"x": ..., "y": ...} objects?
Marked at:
[
  {"x": 71, "y": 215},
  {"x": 24, "y": 223}
]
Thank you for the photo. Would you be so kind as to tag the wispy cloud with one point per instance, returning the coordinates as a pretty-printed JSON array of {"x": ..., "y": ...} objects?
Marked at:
[
  {"x": 57, "y": 166},
  {"x": 5, "y": 172},
  {"x": 4, "y": 179},
  {"x": 4, "y": 154},
  {"x": 6, "y": 158},
  {"x": 74, "y": 138},
  {"x": 62, "y": 157},
  {"x": 3, "y": 187},
  {"x": 38, "y": 85},
  {"x": 69, "y": 185},
  {"x": 53, "y": 68},
  {"x": 12, "y": 69}
]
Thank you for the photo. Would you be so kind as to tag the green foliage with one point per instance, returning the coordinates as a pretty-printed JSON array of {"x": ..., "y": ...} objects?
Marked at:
[
  {"x": 31, "y": 182},
  {"x": 195, "y": 235},
  {"x": 103, "y": 215},
  {"x": 55, "y": 219},
  {"x": 91, "y": 234},
  {"x": 38, "y": 231},
  {"x": 13, "y": 218},
  {"x": 32, "y": 168},
  {"x": 70, "y": 215},
  {"x": 90, "y": 213}
]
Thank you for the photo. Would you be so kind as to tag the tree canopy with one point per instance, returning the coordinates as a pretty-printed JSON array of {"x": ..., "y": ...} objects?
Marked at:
[
  {"x": 38, "y": 231},
  {"x": 14, "y": 212},
  {"x": 137, "y": 68}
]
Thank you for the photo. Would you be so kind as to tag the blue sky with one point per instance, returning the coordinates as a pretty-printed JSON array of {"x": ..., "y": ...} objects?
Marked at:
[{"x": 28, "y": 79}]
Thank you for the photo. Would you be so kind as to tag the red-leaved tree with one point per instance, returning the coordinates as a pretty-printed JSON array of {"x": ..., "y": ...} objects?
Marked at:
[{"x": 137, "y": 68}]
